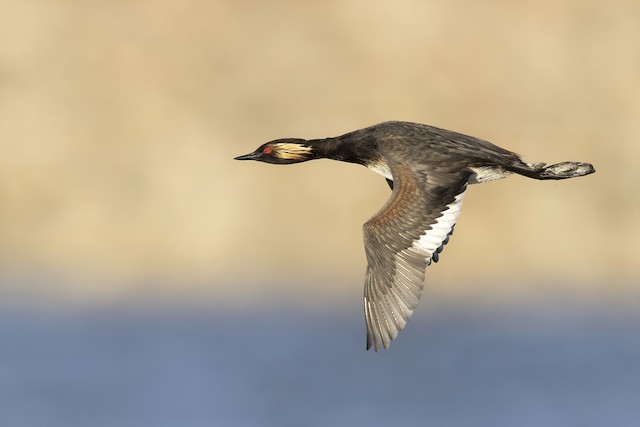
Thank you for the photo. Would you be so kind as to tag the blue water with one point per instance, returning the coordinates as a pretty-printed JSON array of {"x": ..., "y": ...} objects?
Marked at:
[{"x": 453, "y": 366}]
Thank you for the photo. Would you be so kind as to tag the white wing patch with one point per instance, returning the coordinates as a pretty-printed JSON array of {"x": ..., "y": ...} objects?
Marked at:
[{"x": 433, "y": 238}]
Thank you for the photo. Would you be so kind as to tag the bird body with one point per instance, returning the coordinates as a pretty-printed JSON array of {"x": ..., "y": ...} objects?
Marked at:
[{"x": 428, "y": 169}]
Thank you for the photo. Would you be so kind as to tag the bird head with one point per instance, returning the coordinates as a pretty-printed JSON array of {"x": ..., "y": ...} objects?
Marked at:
[{"x": 281, "y": 152}]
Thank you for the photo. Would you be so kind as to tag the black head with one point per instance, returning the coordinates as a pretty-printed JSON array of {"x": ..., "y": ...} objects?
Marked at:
[{"x": 282, "y": 152}]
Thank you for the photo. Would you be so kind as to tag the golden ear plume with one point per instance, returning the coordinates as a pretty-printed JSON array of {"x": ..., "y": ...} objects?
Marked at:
[{"x": 291, "y": 151}]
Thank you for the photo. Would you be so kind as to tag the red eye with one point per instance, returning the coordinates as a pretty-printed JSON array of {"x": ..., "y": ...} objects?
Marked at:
[{"x": 267, "y": 150}]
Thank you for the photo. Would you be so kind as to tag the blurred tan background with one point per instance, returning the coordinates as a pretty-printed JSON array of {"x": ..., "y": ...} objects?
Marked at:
[{"x": 119, "y": 121}]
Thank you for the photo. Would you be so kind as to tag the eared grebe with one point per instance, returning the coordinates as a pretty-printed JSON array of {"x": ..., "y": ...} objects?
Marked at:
[{"x": 428, "y": 170}]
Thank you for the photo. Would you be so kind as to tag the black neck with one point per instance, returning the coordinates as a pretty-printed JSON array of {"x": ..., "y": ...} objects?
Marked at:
[{"x": 344, "y": 148}]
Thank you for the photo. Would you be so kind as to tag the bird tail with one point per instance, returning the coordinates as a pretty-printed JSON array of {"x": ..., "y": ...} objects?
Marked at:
[{"x": 562, "y": 170}]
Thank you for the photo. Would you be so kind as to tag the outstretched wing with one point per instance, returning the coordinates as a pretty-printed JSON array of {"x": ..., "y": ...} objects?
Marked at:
[{"x": 402, "y": 239}]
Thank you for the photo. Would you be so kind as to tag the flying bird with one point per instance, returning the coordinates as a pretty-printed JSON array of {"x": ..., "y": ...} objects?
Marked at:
[{"x": 428, "y": 170}]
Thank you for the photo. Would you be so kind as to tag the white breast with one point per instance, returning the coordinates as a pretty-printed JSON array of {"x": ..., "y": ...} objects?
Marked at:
[{"x": 382, "y": 169}]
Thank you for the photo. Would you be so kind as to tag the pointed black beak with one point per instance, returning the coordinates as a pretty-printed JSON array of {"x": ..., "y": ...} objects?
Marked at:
[{"x": 250, "y": 156}]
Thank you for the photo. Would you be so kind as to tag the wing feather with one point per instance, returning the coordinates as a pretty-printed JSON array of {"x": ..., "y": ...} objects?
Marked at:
[{"x": 401, "y": 240}]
